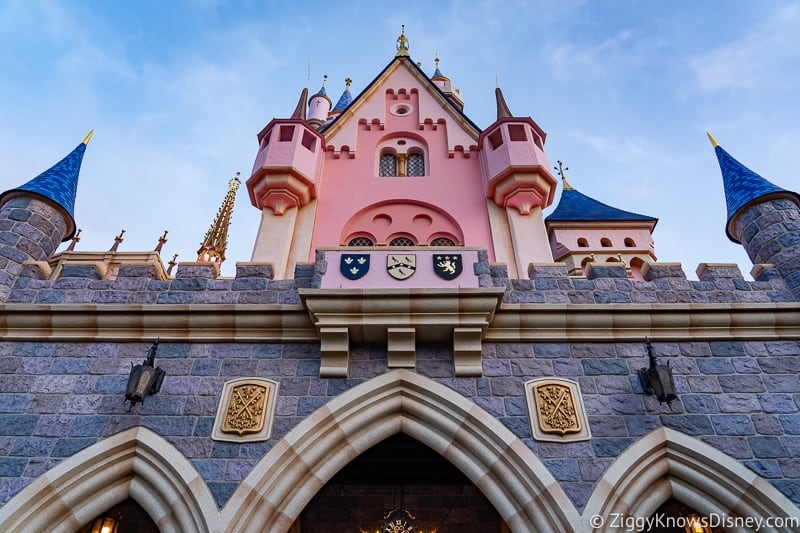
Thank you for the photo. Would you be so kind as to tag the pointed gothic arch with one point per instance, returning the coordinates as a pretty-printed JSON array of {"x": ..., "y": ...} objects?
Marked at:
[
  {"x": 511, "y": 477},
  {"x": 668, "y": 464},
  {"x": 136, "y": 463}
]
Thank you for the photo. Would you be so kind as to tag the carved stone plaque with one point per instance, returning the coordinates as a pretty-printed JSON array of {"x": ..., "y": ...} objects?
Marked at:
[
  {"x": 245, "y": 410},
  {"x": 555, "y": 408}
]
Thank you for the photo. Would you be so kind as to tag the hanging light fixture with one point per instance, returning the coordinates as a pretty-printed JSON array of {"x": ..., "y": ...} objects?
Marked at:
[
  {"x": 657, "y": 379},
  {"x": 145, "y": 379},
  {"x": 104, "y": 524}
]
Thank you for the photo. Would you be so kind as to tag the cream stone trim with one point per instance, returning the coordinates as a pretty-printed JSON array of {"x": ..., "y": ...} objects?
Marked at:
[
  {"x": 136, "y": 464},
  {"x": 634, "y": 322},
  {"x": 666, "y": 463},
  {"x": 170, "y": 323},
  {"x": 513, "y": 479},
  {"x": 369, "y": 313}
]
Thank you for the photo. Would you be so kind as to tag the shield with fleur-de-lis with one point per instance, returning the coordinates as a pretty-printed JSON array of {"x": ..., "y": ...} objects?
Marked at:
[{"x": 354, "y": 266}]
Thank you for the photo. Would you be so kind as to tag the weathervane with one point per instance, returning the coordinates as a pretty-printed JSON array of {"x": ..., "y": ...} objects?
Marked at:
[{"x": 561, "y": 169}]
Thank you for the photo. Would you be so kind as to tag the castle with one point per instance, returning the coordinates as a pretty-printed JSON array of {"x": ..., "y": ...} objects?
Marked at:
[{"x": 414, "y": 346}]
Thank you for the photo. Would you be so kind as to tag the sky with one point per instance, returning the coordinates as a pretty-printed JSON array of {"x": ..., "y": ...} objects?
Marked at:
[{"x": 177, "y": 91}]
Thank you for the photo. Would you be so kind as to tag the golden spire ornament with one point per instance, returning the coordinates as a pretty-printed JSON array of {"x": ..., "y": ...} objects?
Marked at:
[
  {"x": 402, "y": 44},
  {"x": 212, "y": 249}
]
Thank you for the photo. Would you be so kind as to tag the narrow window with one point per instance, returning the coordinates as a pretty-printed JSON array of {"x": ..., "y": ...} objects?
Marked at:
[
  {"x": 401, "y": 241},
  {"x": 583, "y": 243},
  {"x": 495, "y": 139},
  {"x": 516, "y": 132},
  {"x": 415, "y": 165},
  {"x": 630, "y": 243},
  {"x": 309, "y": 141},
  {"x": 287, "y": 132},
  {"x": 605, "y": 242},
  {"x": 387, "y": 165},
  {"x": 360, "y": 241}
]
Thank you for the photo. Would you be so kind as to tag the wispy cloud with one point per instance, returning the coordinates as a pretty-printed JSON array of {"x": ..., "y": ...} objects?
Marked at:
[{"x": 768, "y": 53}]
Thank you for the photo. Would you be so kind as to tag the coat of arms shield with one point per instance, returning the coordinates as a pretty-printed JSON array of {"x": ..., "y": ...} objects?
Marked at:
[
  {"x": 354, "y": 266},
  {"x": 401, "y": 266},
  {"x": 447, "y": 266}
]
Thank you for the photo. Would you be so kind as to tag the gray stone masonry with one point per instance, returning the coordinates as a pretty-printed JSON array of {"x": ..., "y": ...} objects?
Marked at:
[
  {"x": 30, "y": 229},
  {"x": 740, "y": 397},
  {"x": 769, "y": 232}
]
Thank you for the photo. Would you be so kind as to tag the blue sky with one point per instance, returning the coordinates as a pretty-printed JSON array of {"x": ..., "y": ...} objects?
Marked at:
[{"x": 177, "y": 91}]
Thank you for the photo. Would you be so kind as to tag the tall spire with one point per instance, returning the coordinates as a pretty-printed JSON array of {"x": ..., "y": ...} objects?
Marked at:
[
  {"x": 743, "y": 187},
  {"x": 502, "y": 107},
  {"x": 58, "y": 184},
  {"x": 212, "y": 249},
  {"x": 300, "y": 110}
]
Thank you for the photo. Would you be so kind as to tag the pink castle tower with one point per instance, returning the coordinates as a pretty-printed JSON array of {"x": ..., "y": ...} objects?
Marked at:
[{"x": 400, "y": 165}]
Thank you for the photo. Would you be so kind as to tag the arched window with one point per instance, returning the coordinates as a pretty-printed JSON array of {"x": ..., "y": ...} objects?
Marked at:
[
  {"x": 605, "y": 242},
  {"x": 415, "y": 165},
  {"x": 583, "y": 243},
  {"x": 360, "y": 241},
  {"x": 387, "y": 165},
  {"x": 401, "y": 241},
  {"x": 630, "y": 243},
  {"x": 442, "y": 241}
]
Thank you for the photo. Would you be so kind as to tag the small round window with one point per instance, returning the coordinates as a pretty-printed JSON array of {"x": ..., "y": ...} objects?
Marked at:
[{"x": 400, "y": 109}]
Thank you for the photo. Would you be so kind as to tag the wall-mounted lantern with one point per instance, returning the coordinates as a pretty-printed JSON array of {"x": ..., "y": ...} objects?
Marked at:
[
  {"x": 145, "y": 379},
  {"x": 657, "y": 379}
]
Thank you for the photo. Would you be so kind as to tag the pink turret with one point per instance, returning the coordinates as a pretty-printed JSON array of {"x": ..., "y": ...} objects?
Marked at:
[
  {"x": 283, "y": 182},
  {"x": 319, "y": 106},
  {"x": 517, "y": 180}
]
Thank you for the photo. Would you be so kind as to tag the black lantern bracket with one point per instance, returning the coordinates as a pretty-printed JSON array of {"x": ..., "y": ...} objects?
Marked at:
[
  {"x": 145, "y": 379},
  {"x": 657, "y": 379}
]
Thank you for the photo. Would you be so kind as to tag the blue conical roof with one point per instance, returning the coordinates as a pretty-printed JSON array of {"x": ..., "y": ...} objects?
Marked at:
[
  {"x": 743, "y": 186},
  {"x": 59, "y": 184},
  {"x": 575, "y": 206},
  {"x": 344, "y": 101}
]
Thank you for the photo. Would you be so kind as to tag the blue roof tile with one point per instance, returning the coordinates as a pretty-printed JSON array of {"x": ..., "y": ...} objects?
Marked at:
[
  {"x": 344, "y": 101},
  {"x": 575, "y": 206},
  {"x": 58, "y": 184},
  {"x": 742, "y": 186}
]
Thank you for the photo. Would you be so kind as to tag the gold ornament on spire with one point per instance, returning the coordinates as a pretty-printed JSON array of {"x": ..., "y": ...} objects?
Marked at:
[
  {"x": 712, "y": 139},
  {"x": 561, "y": 169},
  {"x": 212, "y": 249},
  {"x": 88, "y": 136},
  {"x": 402, "y": 44}
]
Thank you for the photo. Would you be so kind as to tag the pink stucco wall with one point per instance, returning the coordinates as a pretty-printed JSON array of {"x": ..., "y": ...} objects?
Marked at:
[{"x": 453, "y": 183}]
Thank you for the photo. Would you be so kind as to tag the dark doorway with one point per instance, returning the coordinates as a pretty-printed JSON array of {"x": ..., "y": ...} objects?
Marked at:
[
  {"x": 402, "y": 475},
  {"x": 125, "y": 517}
]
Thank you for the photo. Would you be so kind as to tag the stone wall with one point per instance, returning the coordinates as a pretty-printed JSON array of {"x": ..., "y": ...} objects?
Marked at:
[{"x": 740, "y": 397}]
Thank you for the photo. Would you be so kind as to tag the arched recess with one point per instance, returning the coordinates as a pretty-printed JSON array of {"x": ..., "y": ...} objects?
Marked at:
[
  {"x": 136, "y": 463},
  {"x": 385, "y": 220},
  {"x": 511, "y": 477},
  {"x": 667, "y": 463}
]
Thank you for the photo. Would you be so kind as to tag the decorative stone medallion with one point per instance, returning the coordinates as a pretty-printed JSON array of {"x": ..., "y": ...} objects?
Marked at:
[
  {"x": 245, "y": 410},
  {"x": 555, "y": 409}
]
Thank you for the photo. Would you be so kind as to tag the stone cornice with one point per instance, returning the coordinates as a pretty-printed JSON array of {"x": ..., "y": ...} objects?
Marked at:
[{"x": 434, "y": 313}]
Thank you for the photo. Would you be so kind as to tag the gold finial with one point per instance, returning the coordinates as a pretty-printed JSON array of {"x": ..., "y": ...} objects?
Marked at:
[
  {"x": 712, "y": 139},
  {"x": 436, "y": 60},
  {"x": 118, "y": 239},
  {"x": 324, "y": 79},
  {"x": 88, "y": 136},
  {"x": 172, "y": 263},
  {"x": 233, "y": 183},
  {"x": 347, "y": 82},
  {"x": 561, "y": 169},
  {"x": 75, "y": 241},
  {"x": 161, "y": 241},
  {"x": 402, "y": 44}
]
